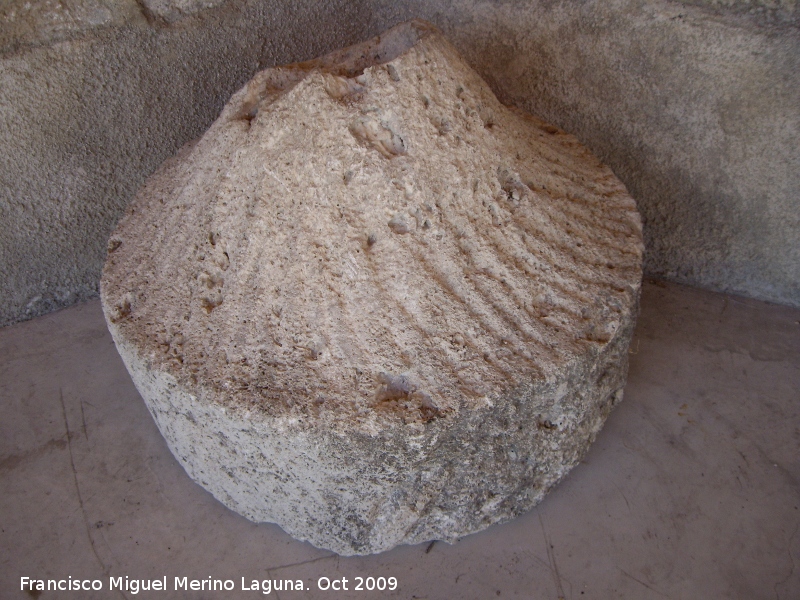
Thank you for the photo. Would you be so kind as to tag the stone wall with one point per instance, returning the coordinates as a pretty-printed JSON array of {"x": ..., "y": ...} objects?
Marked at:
[{"x": 694, "y": 106}]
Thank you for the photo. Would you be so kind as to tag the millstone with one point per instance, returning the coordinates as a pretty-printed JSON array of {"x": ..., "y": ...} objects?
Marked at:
[{"x": 372, "y": 304}]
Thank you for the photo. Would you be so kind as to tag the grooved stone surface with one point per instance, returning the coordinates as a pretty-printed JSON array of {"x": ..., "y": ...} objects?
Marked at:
[{"x": 373, "y": 305}]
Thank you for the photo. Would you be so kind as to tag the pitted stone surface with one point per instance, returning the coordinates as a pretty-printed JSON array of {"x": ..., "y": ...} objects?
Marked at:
[{"x": 372, "y": 304}]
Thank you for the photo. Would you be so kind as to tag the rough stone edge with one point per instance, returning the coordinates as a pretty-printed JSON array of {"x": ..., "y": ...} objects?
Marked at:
[{"x": 311, "y": 460}]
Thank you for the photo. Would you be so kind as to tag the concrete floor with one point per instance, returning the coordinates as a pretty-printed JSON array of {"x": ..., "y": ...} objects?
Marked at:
[{"x": 692, "y": 490}]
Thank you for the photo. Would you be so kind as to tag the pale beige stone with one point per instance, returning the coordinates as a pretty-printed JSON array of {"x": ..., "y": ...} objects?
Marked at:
[{"x": 372, "y": 304}]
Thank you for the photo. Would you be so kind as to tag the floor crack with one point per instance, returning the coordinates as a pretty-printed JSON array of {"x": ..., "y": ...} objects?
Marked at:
[
  {"x": 649, "y": 587},
  {"x": 551, "y": 558},
  {"x": 304, "y": 562},
  {"x": 791, "y": 571},
  {"x": 106, "y": 570}
]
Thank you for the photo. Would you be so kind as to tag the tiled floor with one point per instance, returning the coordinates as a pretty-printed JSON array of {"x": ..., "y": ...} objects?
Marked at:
[{"x": 692, "y": 490}]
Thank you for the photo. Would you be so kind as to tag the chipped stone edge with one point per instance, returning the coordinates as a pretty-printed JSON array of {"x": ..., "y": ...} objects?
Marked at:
[{"x": 356, "y": 493}]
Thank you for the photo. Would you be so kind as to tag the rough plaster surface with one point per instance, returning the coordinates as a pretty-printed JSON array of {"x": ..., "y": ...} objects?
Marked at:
[
  {"x": 175, "y": 10},
  {"x": 697, "y": 112},
  {"x": 26, "y": 23},
  {"x": 372, "y": 304},
  {"x": 764, "y": 11}
]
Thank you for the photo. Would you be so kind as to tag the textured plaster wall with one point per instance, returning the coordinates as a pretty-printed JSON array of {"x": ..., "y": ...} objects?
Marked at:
[
  {"x": 695, "y": 107},
  {"x": 85, "y": 119},
  {"x": 25, "y": 23},
  {"x": 765, "y": 11}
]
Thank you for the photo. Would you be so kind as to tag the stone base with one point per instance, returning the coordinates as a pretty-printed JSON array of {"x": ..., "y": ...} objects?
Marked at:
[{"x": 361, "y": 494}]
